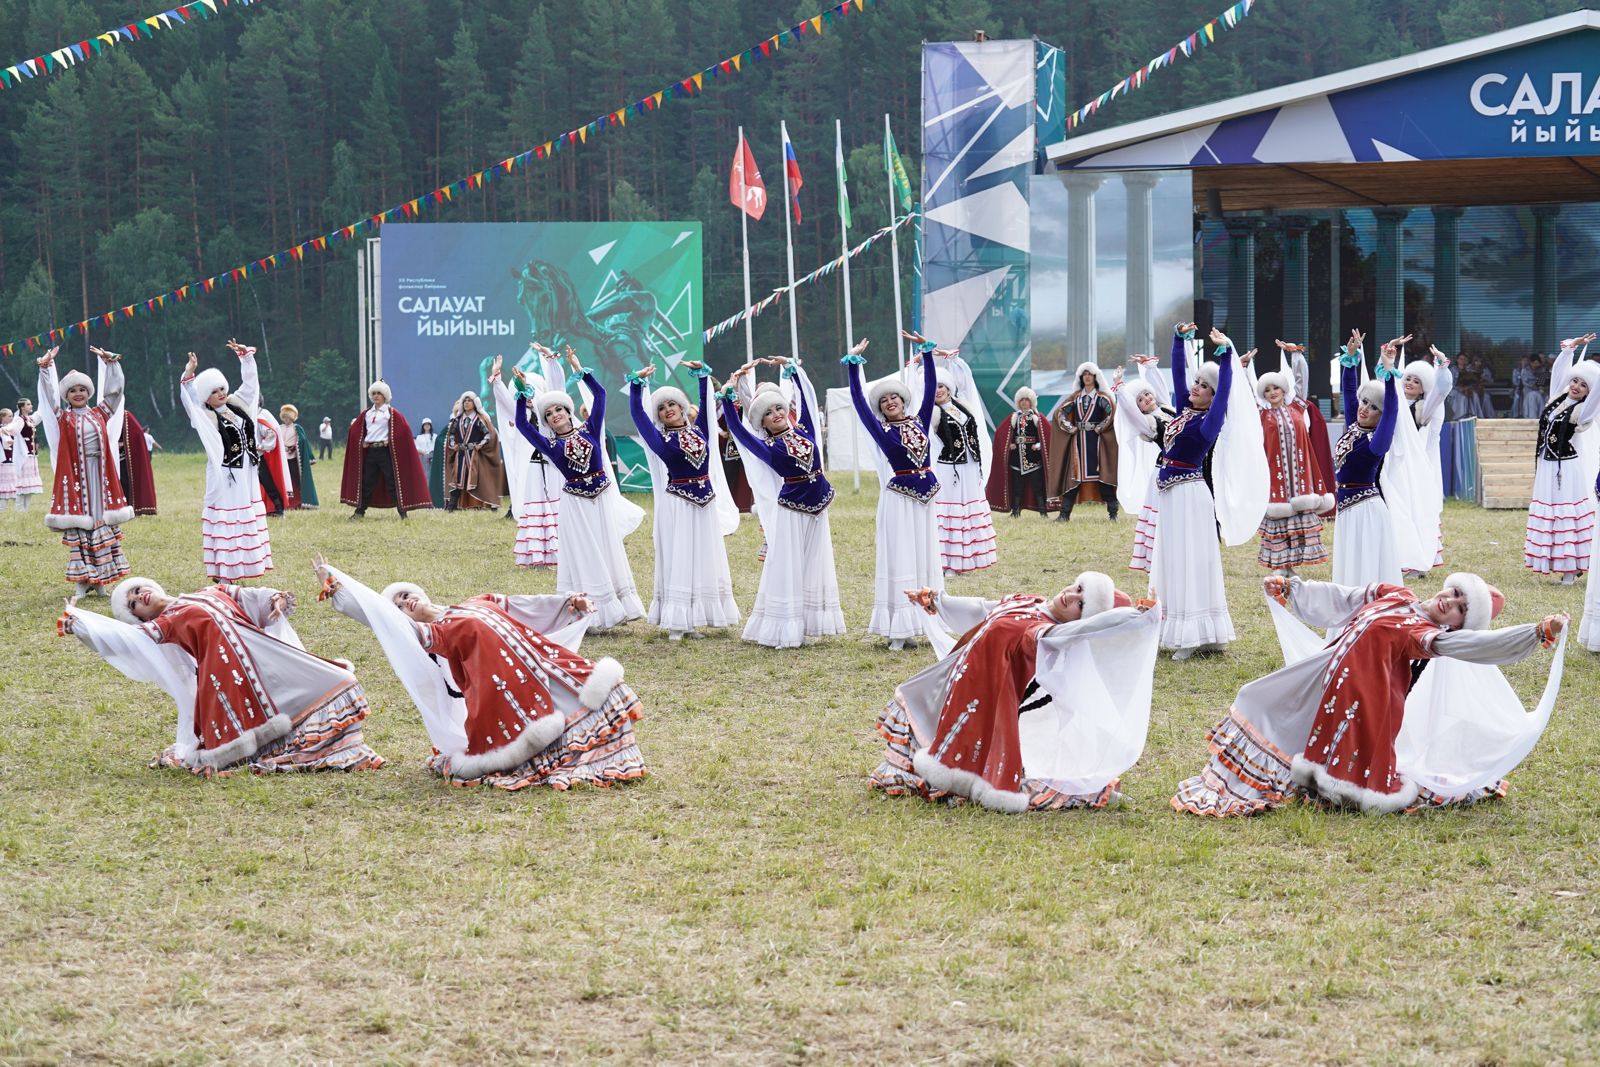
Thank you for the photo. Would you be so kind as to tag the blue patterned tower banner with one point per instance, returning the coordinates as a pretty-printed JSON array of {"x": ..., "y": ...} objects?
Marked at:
[{"x": 984, "y": 120}]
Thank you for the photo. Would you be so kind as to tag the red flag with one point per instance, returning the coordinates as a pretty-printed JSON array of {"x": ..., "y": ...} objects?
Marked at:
[{"x": 746, "y": 190}]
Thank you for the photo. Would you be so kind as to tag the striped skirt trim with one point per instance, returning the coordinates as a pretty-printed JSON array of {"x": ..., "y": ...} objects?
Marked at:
[
  {"x": 598, "y": 748},
  {"x": 325, "y": 737}
]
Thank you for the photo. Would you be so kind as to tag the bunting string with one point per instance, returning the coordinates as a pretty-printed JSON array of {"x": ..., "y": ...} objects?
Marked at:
[
  {"x": 693, "y": 85},
  {"x": 821, "y": 272},
  {"x": 93, "y": 47},
  {"x": 1185, "y": 48}
]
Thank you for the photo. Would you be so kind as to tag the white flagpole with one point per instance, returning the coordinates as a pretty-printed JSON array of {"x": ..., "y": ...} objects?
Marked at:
[
  {"x": 744, "y": 235},
  {"x": 788, "y": 233},
  {"x": 849, "y": 319},
  {"x": 894, "y": 250}
]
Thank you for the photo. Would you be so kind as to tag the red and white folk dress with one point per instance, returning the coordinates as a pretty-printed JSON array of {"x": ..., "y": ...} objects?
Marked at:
[{"x": 88, "y": 505}]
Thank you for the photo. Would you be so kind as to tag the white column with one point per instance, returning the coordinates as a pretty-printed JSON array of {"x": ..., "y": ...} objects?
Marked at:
[
  {"x": 1082, "y": 337},
  {"x": 1140, "y": 316}
]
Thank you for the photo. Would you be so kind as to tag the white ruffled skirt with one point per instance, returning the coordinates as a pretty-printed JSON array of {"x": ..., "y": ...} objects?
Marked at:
[
  {"x": 593, "y": 561},
  {"x": 1187, "y": 573},
  {"x": 8, "y": 479},
  {"x": 966, "y": 522},
  {"x": 692, "y": 584},
  {"x": 28, "y": 481},
  {"x": 234, "y": 542},
  {"x": 539, "y": 520},
  {"x": 1144, "y": 529},
  {"x": 1560, "y": 519},
  {"x": 908, "y": 560},
  {"x": 1363, "y": 545},
  {"x": 799, "y": 592}
]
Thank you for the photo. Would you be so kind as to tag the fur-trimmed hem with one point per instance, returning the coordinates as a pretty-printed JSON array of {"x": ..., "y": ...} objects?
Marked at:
[
  {"x": 1280, "y": 510},
  {"x": 1307, "y": 774},
  {"x": 538, "y": 736},
  {"x": 244, "y": 746},
  {"x": 1318, "y": 502},
  {"x": 606, "y": 676},
  {"x": 967, "y": 784},
  {"x": 62, "y": 523},
  {"x": 118, "y": 516}
]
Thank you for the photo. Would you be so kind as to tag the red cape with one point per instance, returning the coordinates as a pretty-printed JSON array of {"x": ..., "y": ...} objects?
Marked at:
[
  {"x": 137, "y": 480},
  {"x": 408, "y": 473},
  {"x": 998, "y": 489},
  {"x": 1321, "y": 455}
]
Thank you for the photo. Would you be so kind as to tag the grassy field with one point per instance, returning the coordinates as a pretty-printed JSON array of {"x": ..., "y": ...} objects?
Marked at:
[{"x": 753, "y": 901}]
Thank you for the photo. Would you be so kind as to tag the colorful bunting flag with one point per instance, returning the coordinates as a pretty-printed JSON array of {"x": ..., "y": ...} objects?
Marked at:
[
  {"x": 411, "y": 208},
  {"x": 1187, "y": 47}
]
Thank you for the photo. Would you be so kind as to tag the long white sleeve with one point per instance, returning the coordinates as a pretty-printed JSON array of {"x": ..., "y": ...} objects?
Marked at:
[
  {"x": 962, "y": 613},
  {"x": 1324, "y": 604},
  {"x": 1510, "y": 644}
]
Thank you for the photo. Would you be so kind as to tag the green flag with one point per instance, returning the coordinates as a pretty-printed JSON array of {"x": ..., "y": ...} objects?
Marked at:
[
  {"x": 897, "y": 172},
  {"x": 844, "y": 189}
]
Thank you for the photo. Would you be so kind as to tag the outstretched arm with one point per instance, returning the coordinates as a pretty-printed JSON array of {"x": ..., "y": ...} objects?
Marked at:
[
  {"x": 1217, "y": 413},
  {"x": 641, "y": 419},
  {"x": 742, "y": 434},
  {"x": 1180, "y": 368},
  {"x": 1383, "y": 436}
]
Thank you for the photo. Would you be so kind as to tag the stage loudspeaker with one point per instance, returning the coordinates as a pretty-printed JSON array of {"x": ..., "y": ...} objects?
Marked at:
[{"x": 1205, "y": 312}]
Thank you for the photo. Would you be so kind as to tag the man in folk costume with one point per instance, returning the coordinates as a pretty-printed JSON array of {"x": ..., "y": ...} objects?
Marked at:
[
  {"x": 504, "y": 698},
  {"x": 1041, "y": 704},
  {"x": 88, "y": 505},
  {"x": 249, "y": 695},
  {"x": 1022, "y": 442},
  {"x": 381, "y": 466},
  {"x": 473, "y": 472},
  {"x": 1083, "y": 466},
  {"x": 1329, "y": 725}
]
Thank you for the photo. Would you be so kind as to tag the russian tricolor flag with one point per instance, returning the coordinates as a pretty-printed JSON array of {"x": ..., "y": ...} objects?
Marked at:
[{"x": 791, "y": 167}]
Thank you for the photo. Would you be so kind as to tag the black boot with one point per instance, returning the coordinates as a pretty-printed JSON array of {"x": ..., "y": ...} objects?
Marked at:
[
  {"x": 1016, "y": 512},
  {"x": 1112, "y": 509},
  {"x": 1066, "y": 509}
]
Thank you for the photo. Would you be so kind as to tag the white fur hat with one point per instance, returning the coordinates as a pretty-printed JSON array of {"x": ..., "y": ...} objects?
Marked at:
[
  {"x": 668, "y": 393},
  {"x": 1484, "y": 601},
  {"x": 1588, "y": 371},
  {"x": 1207, "y": 372},
  {"x": 72, "y": 378},
  {"x": 764, "y": 401},
  {"x": 477, "y": 403},
  {"x": 1099, "y": 377},
  {"x": 122, "y": 598},
  {"x": 394, "y": 589},
  {"x": 381, "y": 386},
  {"x": 551, "y": 398},
  {"x": 1025, "y": 393},
  {"x": 943, "y": 378},
  {"x": 890, "y": 386},
  {"x": 209, "y": 381},
  {"x": 1268, "y": 380},
  {"x": 1424, "y": 372},
  {"x": 1372, "y": 393},
  {"x": 1100, "y": 594}
]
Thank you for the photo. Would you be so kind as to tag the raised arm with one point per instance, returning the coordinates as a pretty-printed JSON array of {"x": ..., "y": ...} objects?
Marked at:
[
  {"x": 1217, "y": 413},
  {"x": 112, "y": 389},
  {"x": 528, "y": 430},
  {"x": 49, "y": 386},
  {"x": 641, "y": 419},
  {"x": 702, "y": 420},
  {"x": 1350, "y": 385},
  {"x": 869, "y": 419},
  {"x": 1383, "y": 436},
  {"x": 802, "y": 391},
  {"x": 1558, "y": 370},
  {"x": 249, "y": 380},
  {"x": 930, "y": 388},
  {"x": 1180, "y": 370},
  {"x": 596, "y": 422},
  {"x": 1443, "y": 383}
]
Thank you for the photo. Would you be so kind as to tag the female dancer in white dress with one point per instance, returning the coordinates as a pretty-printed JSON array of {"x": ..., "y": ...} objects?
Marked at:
[
  {"x": 799, "y": 592},
  {"x": 26, "y": 423},
  {"x": 1562, "y": 513},
  {"x": 907, "y": 532},
  {"x": 693, "y": 588},
  {"x": 962, "y": 438},
  {"x": 535, "y": 485},
  {"x": 1144, "y": 409},
  {"x": 592, "y": 558},
  {"x": 233, "y": 524}
]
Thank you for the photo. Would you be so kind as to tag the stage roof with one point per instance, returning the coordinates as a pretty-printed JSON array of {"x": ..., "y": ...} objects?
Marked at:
[{"x": 1511, "y": 117}]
